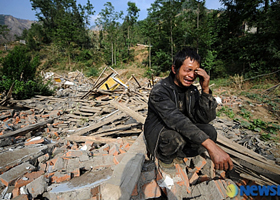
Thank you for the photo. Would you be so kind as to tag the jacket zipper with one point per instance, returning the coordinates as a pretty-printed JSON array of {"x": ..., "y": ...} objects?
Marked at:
[
  {"x": 190, "y": 101},
  {"x": 175, "y": 98}
]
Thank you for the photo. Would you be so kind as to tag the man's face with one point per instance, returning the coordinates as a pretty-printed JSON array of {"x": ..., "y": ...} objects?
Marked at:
[{"x": 186, "y": 75}]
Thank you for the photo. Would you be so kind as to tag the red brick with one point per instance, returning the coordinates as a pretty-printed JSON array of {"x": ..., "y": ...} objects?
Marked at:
[
  {"x": 116, "y": 160},
  {"x": 194, "y": 177},
  {"x": 135, "y": 191},
  {"x": 73, "y": 154},
  {"x": 42, "y": 166},
  {"x": 89, "y": 143},
  {"x": 95, "y": 191},
  {"x": 184, "y": 177},
  {"x": 31, "y": 176},
  {"x": 16, "y": 192},
  {"x": 114, "y": 150},
  {"x": 122, "y": 151},
  {"x": 76, "y": 172},
  {"x": 151, "y": 190},
  {"x": 60, "y": 177},
  {"x": 35, "y": 142}
]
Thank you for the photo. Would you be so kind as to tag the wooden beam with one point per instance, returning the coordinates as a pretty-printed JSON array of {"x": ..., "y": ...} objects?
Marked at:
[
  {"x": 96, "y": 139},
  {"x": 241, "y": 149},
  {"x": 110, "y": 119},
  {"x": 128, "y": 111},
  {"x": 27, "y": 129}
]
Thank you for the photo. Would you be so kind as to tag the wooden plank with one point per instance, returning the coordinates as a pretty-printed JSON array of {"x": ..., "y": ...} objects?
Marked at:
[
  {"x": 27, "y": 129},
  {"x": 270, "y": 171},
  {"x": 128, "y": 111},
  {"x": 121, "y": 132},
  {"x": 118, "y": 128},
  {"x": 96, "y": 139},
  {"x": 83, "y": 113},
  {"x": 241, "y": 149},
  {"x": 101, "y": 123}
]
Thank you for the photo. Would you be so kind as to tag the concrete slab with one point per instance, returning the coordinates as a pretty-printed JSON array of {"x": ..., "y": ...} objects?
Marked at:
[
  {"x": 126, "y": 173},
  {"x": 10, "y": 159},
  {"x": 10, "y": 176},
  {"x": 80, "y": 187}
]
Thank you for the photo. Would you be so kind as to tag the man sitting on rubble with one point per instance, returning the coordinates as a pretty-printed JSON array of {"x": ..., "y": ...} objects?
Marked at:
[{"x": 178, "y": 116}]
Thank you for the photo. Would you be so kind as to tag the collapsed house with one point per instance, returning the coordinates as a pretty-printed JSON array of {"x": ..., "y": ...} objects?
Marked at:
[{"x": 86, "y": 142}]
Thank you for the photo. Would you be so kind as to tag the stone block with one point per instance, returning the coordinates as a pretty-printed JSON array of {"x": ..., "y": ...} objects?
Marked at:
[
  {"x": 21, "y": 197},
  {"x": 80, "y": 187},
  {"x": 215, "y": 190},
  {"x": 209, "y": 168},
  {"x": 55, "y": 164},
  {"x": 198, "y": 162},
  {"x": 37, "y": 186},
  {"x": 43, "y": 158},
  {"x": 9, "y": 177}
]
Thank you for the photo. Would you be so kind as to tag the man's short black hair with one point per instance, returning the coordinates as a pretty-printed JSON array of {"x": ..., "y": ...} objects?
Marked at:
[{"x": 182, "y": 55}]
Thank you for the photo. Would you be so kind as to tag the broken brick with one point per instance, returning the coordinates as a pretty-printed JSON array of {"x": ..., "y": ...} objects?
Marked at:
[
  {"x": 193, "y": 177},
  {"x": 16, "y": 192},
  {"x": 59, "y": 177},
  {"x": 183, "y": 176},
  {"x": 35, "y": 142},
  {"x": 29, "y": 178},
  {"x": 76, "y": 172},
  {"x": 151, "y": 190},
  {"x": 135, "y": 191}
]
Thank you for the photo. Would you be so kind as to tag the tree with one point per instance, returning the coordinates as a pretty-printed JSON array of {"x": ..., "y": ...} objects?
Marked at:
[
  {"x": 4, "y": 30},
  {"x": 19, "y": 69},
  {"x": 64, "y": 22},
  {"x": 108, "y": 20},
  {"x": 130, "y": 20}
]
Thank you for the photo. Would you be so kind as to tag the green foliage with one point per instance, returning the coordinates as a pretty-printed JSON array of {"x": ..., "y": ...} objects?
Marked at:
[
  {"x": 19, "y": 68},
  {"x": 92, "y": 72},
  {"x": 4, "y": 30},
  {"x": 245, "y": 113},
  {"x": 18, "y": 65},
  {"x": 62, "y": 22},
  {"x": 227, "y": 111}
]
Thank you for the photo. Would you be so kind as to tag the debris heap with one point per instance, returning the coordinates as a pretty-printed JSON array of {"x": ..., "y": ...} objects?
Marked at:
[{"x": 86, "y": 142}]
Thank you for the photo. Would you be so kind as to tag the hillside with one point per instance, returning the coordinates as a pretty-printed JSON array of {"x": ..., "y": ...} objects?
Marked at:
[{"x": 15, "y": 25}]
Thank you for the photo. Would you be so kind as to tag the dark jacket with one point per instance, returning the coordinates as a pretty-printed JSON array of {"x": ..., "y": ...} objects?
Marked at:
[{"x": 164, "y": 111}]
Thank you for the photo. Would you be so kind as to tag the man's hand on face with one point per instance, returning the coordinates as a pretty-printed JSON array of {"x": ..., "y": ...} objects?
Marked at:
[
  {"x": 219, "y": 157},
  {"x": 204, "y": 79}
]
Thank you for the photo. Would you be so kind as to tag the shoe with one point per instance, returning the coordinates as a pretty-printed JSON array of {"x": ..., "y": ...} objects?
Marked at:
[
  {"x": 167, "y": 168},
  {"x": 181, "y": 162}
]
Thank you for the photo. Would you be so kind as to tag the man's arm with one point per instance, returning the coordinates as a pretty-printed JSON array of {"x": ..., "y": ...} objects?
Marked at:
[{"x": 220, "y": 158}]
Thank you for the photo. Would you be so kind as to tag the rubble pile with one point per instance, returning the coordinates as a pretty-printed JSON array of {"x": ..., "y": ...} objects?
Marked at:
[{"x": 86, "y": 142}]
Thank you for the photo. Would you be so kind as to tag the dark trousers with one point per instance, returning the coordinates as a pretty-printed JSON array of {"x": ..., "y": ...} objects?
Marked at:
[{"x": 172, "y": 144}]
